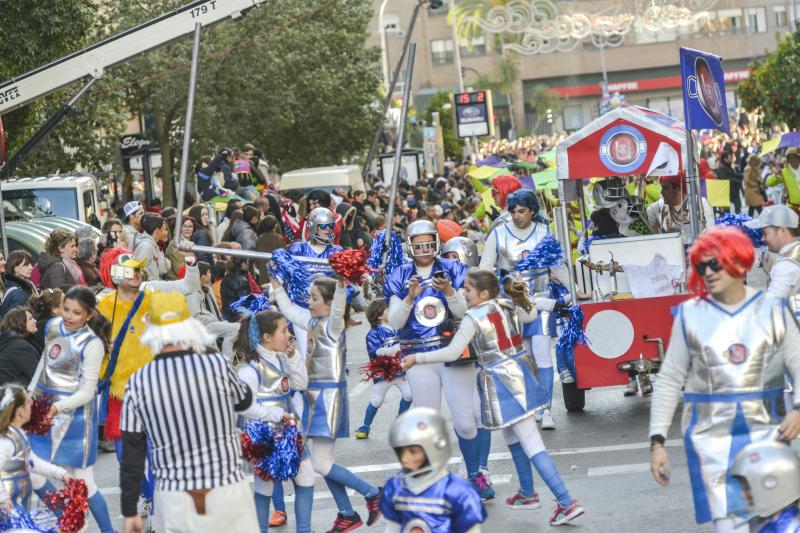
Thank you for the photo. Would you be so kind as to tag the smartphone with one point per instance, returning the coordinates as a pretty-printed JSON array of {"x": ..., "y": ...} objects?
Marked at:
[{"x": 440, "y": 275}]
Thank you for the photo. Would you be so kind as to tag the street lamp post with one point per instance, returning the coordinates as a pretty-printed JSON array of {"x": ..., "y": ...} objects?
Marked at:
[
  {"x": 384, "y": 46},
  {"x": 456, "y": 49}
]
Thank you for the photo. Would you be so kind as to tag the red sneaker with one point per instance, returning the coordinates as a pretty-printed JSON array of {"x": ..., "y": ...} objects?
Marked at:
[
  {"x": 278, "y": 519},
  {"x": 373, "y": 507},
  {"x": 343, "y": 524},
  {"x": 565, "y": 515},
  {"x": 518, "y": 501}
]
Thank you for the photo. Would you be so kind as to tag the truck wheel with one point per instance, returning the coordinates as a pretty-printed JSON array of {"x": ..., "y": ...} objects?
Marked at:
[{"x": 574, "y": 398}]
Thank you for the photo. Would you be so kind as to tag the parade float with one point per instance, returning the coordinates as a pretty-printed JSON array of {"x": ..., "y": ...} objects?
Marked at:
[{"x": 635, "y": 282}]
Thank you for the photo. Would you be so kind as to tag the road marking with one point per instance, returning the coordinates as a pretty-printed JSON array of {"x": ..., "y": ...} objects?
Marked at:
[{"x": 633, "y": 468}]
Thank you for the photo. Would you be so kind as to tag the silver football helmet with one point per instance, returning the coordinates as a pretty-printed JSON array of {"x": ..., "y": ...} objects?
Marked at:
[
  {"x": 607, "y": 192},
  {"x": 771, "y": 474},
  {"x": 424, "y": 427},
  {"x": 320, "y": 225},
  {"x": 422, "y": 227},
  {"x": 464, "y": 248}
]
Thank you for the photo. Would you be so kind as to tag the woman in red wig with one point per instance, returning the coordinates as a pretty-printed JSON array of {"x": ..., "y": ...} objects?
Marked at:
[{"x": 728, "y": 350}]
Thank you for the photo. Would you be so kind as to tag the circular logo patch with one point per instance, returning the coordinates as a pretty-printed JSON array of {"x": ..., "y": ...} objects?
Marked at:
[
  {"x": 55, "y": 351},
  {"x": 285, "y": 384},
  {"x": 623, "y": 149},
  {"x": 737, "y": 353},
  {"x": 708, "y": 90}
]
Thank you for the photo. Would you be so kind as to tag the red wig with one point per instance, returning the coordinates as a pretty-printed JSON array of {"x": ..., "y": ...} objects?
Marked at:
[
  {"x": 676, "y": 181},
  {"x": 732, "y": 248},
  {"x": 109, "y": 258},
  {"x": 505, "y": 185}
]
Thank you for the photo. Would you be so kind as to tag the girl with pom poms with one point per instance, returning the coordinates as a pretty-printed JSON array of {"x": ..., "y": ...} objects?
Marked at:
[
  {"x": 17, "y": 461},
  {"x": 325, "y": 414},
  {"x": 272, "y": 370},
  {"x": 75, "y": 345}
]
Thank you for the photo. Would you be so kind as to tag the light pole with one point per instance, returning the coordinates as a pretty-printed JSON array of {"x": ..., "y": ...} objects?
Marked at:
[
  {"x": 384, "y": 46},
  {"x": 456, "y": 49}
]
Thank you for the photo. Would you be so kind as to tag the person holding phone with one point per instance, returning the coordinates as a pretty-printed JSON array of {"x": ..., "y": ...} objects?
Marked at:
[{"x": 728, "y": 350}]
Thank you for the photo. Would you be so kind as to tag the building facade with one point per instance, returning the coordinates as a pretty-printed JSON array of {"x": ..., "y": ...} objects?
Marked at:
[{"x": 643, "y": 66}]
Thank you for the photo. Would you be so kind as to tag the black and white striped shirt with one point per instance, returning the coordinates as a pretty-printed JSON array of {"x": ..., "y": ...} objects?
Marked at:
[{"x": 186, "y": 403}]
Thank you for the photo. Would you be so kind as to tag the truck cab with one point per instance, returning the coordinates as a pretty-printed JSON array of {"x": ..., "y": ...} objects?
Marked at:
[{"x": 73, "y": 196}]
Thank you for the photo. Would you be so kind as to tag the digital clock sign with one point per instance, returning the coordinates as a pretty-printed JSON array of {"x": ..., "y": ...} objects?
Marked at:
[{"x": 473, "y": 114}]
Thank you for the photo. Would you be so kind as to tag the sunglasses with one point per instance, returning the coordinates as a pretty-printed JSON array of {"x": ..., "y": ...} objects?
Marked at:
[
  {"x": 713, "y": 264},
  {"x": 326, "y": 226}
]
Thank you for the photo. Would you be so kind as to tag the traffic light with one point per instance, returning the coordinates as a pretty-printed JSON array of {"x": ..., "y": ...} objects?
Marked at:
[
  {"x": 436, "y": 4},
  {"x": 549, "y": 115}
]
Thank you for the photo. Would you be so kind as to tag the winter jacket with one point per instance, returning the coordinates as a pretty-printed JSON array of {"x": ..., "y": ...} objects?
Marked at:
[
  {"x": 244, "y": 234},
  {"x": 37, "y": 339},
  {"x": 233, "y": 287},
  {"x": 147, "y": 248},
  {"x": 203, "y": 306},
  {"x": 18, "y": 291},
  {"x": 54, "y": 273},
  {"x": 200, "y": 238},
  {"x": 753, "y": 190},
  {"x": 18, "y": 359}
]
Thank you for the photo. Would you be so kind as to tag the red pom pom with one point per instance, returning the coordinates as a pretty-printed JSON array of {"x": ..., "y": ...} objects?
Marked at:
[
  {"x": 113, "y": 416},
  {"x": 352, "y": 264},
  {"x": 383, "y": 366},
  {"x": 40, "y": 423},
  {"x": 73, "y": 502}
]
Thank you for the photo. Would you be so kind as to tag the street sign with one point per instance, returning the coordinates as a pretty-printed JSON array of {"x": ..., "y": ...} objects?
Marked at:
[{"x": 473, "y": 114}]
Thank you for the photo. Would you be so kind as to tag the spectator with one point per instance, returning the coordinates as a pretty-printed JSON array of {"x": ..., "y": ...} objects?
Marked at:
[
  {"x": 243, "y": 231},
  {"x": 176, "y": 257},
  {"x": 45, "y": 306},
  {"x": 207, "y": 186},
  {"x": 268, "y": 241},
  {"x": 57, "y": 263},
  {"x": 19, "y": 287},
  {"x": 203, "y": 233},
  {"x": 234, "y": 285},
  {"x": 87, "y": 261},
  {"x": 754, "y": 195},
  {"x": 18, "y": 355},
  {"x": 133, "y": 212},
  {"x": 204, "y": 307},
  {"x": 232, "y": 206},
  {"x": 726, "y": 172},
  {"x": 113, "y": 236},
  {"x": 154, "y": 230}
]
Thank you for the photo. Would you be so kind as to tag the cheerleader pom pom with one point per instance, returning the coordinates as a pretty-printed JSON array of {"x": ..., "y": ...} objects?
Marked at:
[
  {"x": 293, "y": 274},
  {"x": 19, "y": 520},
  {"x": 284, "y": 462},
  {"x": 738, "y": 220},
  {"x": 395, "y": 257},
  {"x": 40, "y": 423},
  {"x": 73, "y": 503},
  {"x": 382, "y": 367},
  {"x": 351, "y": 264},
  {"x": 258, "y": 441},
  {"x": 573, "y": 333},
  {"x": 547, "y": 253},
  {"x": 254, "y": 303}
]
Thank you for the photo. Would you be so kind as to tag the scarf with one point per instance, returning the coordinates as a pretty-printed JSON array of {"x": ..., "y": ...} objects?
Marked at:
[{"x": 74, "y": 269}]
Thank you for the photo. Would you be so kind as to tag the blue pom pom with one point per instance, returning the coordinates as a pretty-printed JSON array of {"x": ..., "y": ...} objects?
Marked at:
[
  {"x": 294, "y": 275},
  {"x": 547, "y": 253},
  {"x": 557, "y": 290},
  {"x": 284, "y": 462},
  {"x": 589, "y": 240},
  {"x": 21, "y": 520},
  {"x": 572, "y": 333},
  {"x": 254, "y": 303},
  {"x": 738, "y": 220},
  {"x": 395, "y": 257},
  {"x": 261, "y": 434}
]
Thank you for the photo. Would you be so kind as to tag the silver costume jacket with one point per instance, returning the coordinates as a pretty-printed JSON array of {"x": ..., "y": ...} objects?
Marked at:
[
  {"x": 273, "y": 385},
  {"x": 507, "y": 386},
  {"x": 326, "y": 409},
  {"x": 792, "y": 255},
  {"x": 72, "y": 441},
  {"x": 734, "y": 383},
  {"x": 14, "y": 473}
]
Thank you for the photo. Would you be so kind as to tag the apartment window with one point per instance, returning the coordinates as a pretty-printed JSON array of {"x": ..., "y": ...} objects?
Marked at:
[
  {"x": 730, "y": 21},
  {"x": 779, "y": 13},
  {"x": 478, "y": 47},
  {"x": 441, "y": 10},
  {"x": 756, "y": 19},
  {"x": 442, "y": 51}
]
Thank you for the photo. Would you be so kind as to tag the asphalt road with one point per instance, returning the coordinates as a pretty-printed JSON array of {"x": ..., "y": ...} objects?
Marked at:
[{"x": 602, "y": 454}]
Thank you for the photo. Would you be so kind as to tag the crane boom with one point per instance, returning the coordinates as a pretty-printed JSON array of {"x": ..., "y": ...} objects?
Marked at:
[{"x": 91, "y": 61}]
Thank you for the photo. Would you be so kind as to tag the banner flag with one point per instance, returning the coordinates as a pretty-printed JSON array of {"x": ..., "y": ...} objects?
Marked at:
[{"x": 703, "y": 83}]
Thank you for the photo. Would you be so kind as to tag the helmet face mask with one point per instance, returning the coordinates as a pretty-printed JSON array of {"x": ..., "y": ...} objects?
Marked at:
[{"x": 426, "y": 247}]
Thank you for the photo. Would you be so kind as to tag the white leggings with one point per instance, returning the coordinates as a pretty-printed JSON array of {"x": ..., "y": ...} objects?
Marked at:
[
  {"x": 322, "y": 450},
  {"x": 458, "y": 383},
  {"x": 527, "y": 434},
  {"x": 727, "y": 525},
  {"x": 86, "y": 474},
  {"x": 380, "y": 389},
  {"x": 539, "y": 347}
]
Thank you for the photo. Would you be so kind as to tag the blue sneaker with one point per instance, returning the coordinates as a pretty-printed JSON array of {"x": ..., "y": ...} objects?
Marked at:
[
  {"x": 362, "y": 432},
  {"x": 485, "y": 491}
]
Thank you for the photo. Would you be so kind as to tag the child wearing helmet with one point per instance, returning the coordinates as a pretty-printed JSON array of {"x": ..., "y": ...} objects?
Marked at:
[
  {"x": 768, "y": 473},
  {"x": 425, "y": 496}
]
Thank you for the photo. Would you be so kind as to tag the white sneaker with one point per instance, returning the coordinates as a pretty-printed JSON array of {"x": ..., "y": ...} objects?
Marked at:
[
  {"x": 566, "y": 377},
  {"x": 547, "y": 421}
]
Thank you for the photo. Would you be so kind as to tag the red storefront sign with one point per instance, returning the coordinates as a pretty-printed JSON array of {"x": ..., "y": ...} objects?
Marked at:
[{"x": 633, "y": 86}]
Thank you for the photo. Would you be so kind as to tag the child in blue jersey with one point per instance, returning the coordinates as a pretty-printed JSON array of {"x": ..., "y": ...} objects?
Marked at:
[
  {"x": 382, "y": 341},
  {"x": 425, "y": 496}
]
